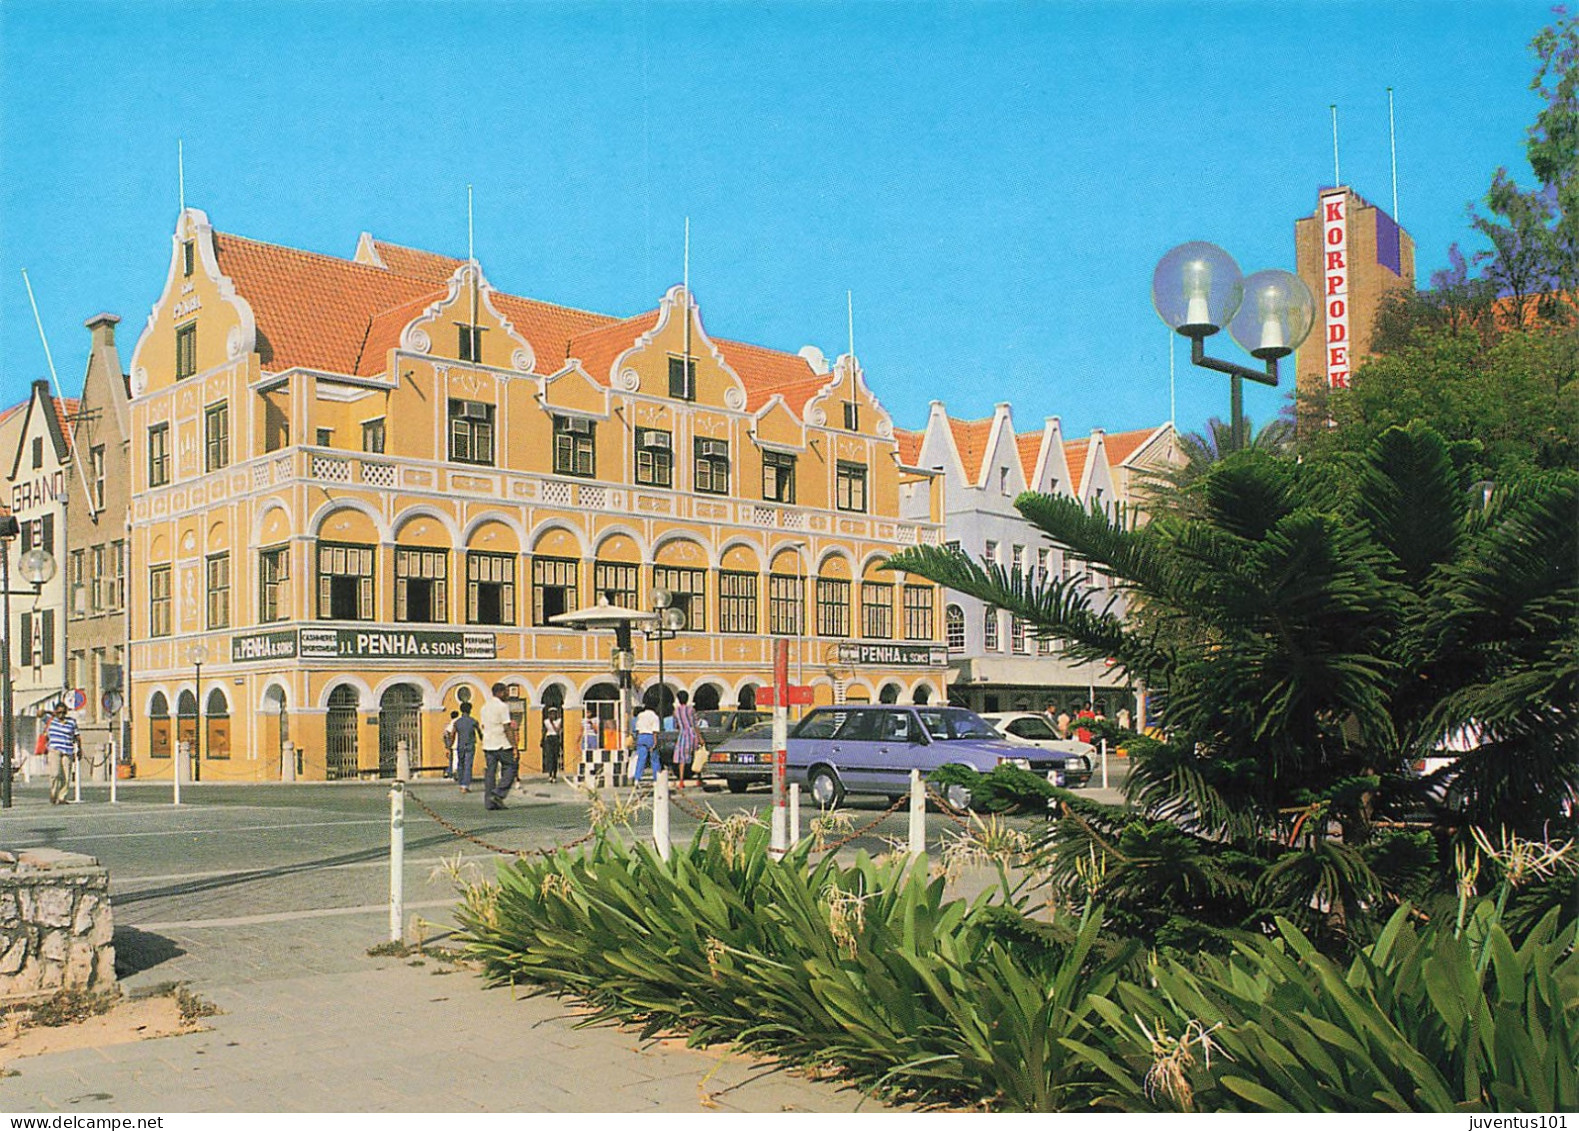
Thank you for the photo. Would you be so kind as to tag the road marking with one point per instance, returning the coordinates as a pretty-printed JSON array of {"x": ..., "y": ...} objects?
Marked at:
[
  {"x": 194, "y": 832},
  {"x": 287, "y": 916}
]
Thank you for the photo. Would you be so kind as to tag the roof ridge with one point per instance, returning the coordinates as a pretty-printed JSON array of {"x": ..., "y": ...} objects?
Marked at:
[{"x": 336, "y": 259}]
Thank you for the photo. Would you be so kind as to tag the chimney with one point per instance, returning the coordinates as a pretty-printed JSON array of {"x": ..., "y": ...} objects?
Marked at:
[{"x": 102, "y": 327}]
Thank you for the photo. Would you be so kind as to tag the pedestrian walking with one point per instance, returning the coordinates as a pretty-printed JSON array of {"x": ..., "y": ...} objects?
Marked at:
[
  {"x": 553, "y": 738},
  {"x": 647, "y": 726},
  {"x": 1063, "y": 724},
  {"x": 1123, "y": 717},
  {"x": 449, "y": 744},
  {"x": 464, "y": 731},
  {"x": 65, "y": 746},
  {"x": 498, "y": 748},
  {"x": 687, "y": 737}
]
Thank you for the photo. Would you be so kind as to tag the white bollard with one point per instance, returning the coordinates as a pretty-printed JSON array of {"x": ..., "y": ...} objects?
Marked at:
[
  {"x": 76, "y": 779},
  {"x": 288, "y": 761},
  {"x": 402, "y": 760},
  {"x": 397, "y": 860},
  {"x": 794, "y": 791},
  {"x": 660, "y": 813},
  {"x": 178, "y": 768},
  {"x": 1104, "y": 763},
  {"x": 111, "y": 755},
  {"x": 608, "y": 774},
  {"x": 918, "y": 814}
]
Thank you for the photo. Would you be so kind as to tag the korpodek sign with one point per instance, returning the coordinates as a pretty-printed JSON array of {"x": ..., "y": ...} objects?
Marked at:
[
  {"x": 1335, "y": 292},
  {"x": 363, "y": 644}
]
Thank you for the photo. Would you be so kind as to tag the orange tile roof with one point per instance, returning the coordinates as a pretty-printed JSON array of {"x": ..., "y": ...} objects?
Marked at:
[
  {"x": 311, "y": 310},
  {"x": 384, "y": 330},
  {"x": 1121, "y": 445},
  {"x": 597, "y": 348},
  {"x": 425, "y": 265},
  {"x": 765, "y": 372},
  {"x": 970, "y": 438},
  {"x": 65, "y": 411},
  {"x": 1030, "y": 445},
  {"x": 338, "y": 315},
  {"x": 909, "y": 446},
  {"x": 1075, "y": 453}
]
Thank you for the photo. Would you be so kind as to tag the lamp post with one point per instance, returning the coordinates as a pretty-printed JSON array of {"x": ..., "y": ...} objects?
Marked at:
[
  {"x": 197, "y": 654},
  {"x": 670, "y": 621},
  {"x": 1198, "y": 289},
  {"x": 37, "y": 567},
  {"x": 800, "y": 549}
]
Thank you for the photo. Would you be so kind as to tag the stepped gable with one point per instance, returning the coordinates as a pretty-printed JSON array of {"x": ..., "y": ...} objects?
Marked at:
[{"x": 311, "y": 310}]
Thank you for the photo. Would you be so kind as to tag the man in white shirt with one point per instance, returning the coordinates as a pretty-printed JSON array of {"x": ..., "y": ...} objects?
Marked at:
[
  {"x": 646, "y": 741},
  {"x": 498, "y": 748}
]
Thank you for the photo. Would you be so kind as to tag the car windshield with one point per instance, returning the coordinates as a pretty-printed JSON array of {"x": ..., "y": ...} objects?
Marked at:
[
  {"x": 949, "y": 723},
  {"x": 1032, "y": 726}
]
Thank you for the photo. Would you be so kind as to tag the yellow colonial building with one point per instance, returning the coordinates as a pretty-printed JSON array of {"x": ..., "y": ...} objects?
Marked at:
[{"x": 363, "y": 487}]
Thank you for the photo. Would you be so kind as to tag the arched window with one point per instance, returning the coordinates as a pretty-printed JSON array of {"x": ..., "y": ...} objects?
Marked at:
[
  {"x": 954, "y": 625},
  {"x": 923, "y": 695},
  {"x": 216, "y": 726},
  {"x": 158, "y": 726},
  {"x": 888, "y": 693}
]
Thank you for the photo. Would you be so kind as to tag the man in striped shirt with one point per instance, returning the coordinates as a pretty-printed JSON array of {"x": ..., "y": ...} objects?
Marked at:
[{"x": 65, "y": 743}]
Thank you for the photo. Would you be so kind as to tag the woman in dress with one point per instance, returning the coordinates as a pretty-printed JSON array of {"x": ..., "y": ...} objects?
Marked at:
[{"x": 687, "y": 738}]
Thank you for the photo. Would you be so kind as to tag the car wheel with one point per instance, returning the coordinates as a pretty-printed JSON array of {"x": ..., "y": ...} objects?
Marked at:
[
  {"x": 738, "y": 785},
  {"x": 957, "y": 796},
  {"x": 826, "y": 789}
]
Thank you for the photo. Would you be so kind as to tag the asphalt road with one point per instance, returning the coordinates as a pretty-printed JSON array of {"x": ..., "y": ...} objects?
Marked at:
[{"x": 251, "y": 855}]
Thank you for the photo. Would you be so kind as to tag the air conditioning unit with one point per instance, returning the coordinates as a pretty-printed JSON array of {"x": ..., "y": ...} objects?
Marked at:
[
  {"x": 578, "y": 424},
  {"x": 656, "y": 440},
  {"x": 474, "y": 410},
  {"x": 714, "y": 448}
]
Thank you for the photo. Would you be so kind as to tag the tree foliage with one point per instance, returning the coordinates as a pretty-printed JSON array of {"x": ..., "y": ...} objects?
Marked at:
[{"x": 1318, "y": 627}]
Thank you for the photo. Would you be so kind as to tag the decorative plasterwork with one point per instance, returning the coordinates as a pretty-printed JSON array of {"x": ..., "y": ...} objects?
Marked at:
[
  {"x": 344, "y": 394},
  {"x": 848, "y": 366},
  {"x": 243, "y": 338},
  {"x": 622, "y": 374},
  {"x": 416, "y": 339}
]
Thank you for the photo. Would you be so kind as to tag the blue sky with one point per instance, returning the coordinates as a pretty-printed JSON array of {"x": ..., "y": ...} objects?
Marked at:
[{"x": 993, "y": 182}]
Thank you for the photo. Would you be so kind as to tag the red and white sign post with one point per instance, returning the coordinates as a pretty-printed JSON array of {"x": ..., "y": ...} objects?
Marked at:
[{"x": 780, "y": 826}]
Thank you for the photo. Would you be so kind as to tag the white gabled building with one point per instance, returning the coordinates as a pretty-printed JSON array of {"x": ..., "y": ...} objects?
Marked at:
[{"x": 995, "y": 664}]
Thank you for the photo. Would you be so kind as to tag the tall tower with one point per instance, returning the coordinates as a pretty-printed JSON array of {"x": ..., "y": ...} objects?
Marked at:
[{"x": 1350, "y": 254}]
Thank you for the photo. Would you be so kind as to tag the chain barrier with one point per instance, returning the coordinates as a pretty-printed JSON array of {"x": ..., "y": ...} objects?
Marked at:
[
  {"x": 464, "y": 835},
  {"x": 866, "y": 828},
  {"x": 706, "y": 816},
  {"x": 958, "y": 816}
]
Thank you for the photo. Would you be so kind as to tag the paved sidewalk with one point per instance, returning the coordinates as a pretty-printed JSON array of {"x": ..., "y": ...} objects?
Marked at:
[{"x": 311, "y": 1022}]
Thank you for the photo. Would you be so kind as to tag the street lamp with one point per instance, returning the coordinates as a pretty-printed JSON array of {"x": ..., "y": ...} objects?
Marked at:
[
  {"x": 1198, "y": 289},
  {"x": 670, "y": 621},
  {"x": 197, "y": 654},
  {"x": 38, "y": 569}
]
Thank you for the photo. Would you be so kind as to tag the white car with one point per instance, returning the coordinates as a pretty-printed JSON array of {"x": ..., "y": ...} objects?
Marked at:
[{"x": 1027, "y": 728}]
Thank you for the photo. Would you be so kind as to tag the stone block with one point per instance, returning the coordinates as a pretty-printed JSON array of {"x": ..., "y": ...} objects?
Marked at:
[
  {"x": 10, "y": 910},
  {"x": 82, "y": 922},
  {"x": 103, "y": 927},
  {"x": 53, "y": 859},
  {"x": 53, "y": 946},
  {"x": 14, "y": 954},
  {"x": 53, "y": 906},
  {"x": 79, "y": 963}
]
